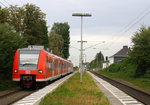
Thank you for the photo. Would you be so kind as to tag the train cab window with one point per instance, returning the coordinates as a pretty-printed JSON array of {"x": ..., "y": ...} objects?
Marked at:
[{"x": 28, "y": 60}]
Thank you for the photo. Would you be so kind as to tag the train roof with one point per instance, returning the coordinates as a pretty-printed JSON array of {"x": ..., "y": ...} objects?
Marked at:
[
  {"x": 38, "y": 48},
  {"x": 35, "y": 47}
]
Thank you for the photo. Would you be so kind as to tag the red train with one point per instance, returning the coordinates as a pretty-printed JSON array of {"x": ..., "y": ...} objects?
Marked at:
[{"x": 34, "y": 65}]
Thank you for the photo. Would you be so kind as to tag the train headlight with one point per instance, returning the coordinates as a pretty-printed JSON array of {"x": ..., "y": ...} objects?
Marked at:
[
  {"x": 15, "y": 71},
  {"x": 40, "y": 71}
]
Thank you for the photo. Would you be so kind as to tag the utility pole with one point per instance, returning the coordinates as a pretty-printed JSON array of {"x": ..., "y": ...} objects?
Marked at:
[{"x": 81, "y": 49}]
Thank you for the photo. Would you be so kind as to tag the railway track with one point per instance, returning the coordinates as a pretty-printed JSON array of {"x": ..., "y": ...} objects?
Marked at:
[
  {"x": 8, "y": 98},
  {"x": 13, "y": 96},
  {"x": 138, "y": 94}
]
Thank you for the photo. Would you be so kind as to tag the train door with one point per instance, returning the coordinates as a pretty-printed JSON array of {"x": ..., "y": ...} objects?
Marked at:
[
  {"x": 53, "y": 66},
  {"x": 61, "y": 67},
  {"x": 58, "y": 66},
  {"x": 50, "y": 66}
]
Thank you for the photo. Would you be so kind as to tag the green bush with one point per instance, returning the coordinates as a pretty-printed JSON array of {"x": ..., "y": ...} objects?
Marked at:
[
  {"x": 114, "y": 67},
  {"x": 129, "y": 70},
  {"x": 124, "y": 67}
]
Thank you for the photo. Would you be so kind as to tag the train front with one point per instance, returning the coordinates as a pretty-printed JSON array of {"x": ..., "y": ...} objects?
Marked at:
[{"x": 25, "y": 68}]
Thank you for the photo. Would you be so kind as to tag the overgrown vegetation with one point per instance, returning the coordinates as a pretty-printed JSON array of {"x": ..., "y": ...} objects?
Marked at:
[
  {"x": 140, "y": 53},
  {"x": 73, "y": 92}
]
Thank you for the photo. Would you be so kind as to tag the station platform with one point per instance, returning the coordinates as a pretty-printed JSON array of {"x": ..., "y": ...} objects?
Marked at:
[{"x": 114, "y": 95}]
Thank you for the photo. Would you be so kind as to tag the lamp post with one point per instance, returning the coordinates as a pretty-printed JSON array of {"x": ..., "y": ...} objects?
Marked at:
[{"x": 81, "y": 50}]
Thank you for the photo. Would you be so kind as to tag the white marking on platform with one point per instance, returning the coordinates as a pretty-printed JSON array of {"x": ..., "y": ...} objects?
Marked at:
[
  {"x": 124, "y": 98},
  {"x": 36, "y": 97}
]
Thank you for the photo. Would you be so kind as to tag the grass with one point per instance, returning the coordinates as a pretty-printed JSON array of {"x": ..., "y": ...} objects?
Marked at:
[
  {"x": 73, "y": 92},
  {"x": 143, "y": 83}
]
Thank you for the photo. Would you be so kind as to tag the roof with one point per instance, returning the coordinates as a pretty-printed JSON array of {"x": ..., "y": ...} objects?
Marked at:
[{"x": 122, "y": 53}]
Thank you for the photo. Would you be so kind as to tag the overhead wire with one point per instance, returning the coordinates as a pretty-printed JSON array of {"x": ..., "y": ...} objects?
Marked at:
[
  {"x": 93, "y": 45},
  {"x": 3, "y": 4},
  {"x": 6, "y": 2},
  {"x": 131, "y": 24}
]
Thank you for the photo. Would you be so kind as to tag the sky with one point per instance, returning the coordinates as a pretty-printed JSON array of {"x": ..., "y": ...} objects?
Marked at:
[{"x": 112, "y": 25}]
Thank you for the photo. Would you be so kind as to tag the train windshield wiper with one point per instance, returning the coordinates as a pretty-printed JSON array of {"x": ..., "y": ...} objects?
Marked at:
[{"x": 28, "y": 64}]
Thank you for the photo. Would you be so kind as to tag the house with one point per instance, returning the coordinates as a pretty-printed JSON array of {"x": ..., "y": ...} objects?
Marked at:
[{"x": 119, "y": 56}]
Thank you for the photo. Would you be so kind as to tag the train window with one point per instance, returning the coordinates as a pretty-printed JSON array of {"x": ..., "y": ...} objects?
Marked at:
[
  {"x": 59, "y": 65},
  {"x": 54, "y": 65},
  {"x": 63, "y": 66},
  {"x": 50, "y": 66}
]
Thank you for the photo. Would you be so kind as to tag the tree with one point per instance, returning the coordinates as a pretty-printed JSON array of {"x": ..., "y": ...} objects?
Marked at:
[
  {"x": 10, "y": 41},
  {"x": 97, "y": 62},
  {"x": 99, "y": 58},
  {"x": 141, "y": 50},
  {"x": 63, "y": 29},
  {"x": 16, "y": 17},
  {"x": 3, "y": 15},
  {"x": 56, "y": 44},
  {"x": 29, "y": 21},
  {"x": 36, "y": 29}
]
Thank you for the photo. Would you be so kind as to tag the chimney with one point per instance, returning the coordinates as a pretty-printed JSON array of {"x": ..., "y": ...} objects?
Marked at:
[{"x": 125, "y": 47}]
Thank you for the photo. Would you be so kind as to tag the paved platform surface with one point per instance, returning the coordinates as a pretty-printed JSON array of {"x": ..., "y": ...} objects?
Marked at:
[
  {"x": 114, "y": 95},
  {"x": 35, "y": 98}
]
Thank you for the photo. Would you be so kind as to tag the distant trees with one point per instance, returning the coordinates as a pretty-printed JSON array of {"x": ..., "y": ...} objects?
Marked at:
[
  {"x": 56, "y": 43},
  {"x": 10, "y": 41},
  {"x": 97, "y": 62},
  {"x": 63, "y": 30}
]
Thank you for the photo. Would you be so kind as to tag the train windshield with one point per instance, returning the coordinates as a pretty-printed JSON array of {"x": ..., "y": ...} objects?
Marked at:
[{"x": 28, "y": 60}]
